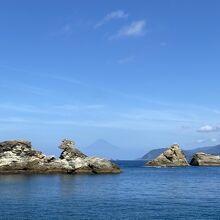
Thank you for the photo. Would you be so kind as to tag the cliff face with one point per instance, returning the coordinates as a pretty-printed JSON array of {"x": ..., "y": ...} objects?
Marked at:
[
  {"x": 203, "y": 159},
  {"x": 171, "y": 157},
  {"x": 19, "y": 157}
]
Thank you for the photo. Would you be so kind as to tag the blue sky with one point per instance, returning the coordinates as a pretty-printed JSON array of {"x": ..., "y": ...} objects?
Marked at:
[{"x": 140, "y": 74}]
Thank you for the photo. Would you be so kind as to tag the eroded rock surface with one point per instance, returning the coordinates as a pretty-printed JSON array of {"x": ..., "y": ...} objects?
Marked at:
[
  {"x": 203, "y": 159},
  {"x": 171, "y": 157},
  {"x": 19, "y": 157}
]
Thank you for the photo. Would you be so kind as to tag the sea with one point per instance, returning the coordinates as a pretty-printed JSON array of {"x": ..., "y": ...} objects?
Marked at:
[{"x": 137, "y": 193}]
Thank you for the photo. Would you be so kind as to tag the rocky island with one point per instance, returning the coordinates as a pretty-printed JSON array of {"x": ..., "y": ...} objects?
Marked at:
[
  {"x": 20, "y": 157},
  {"x": 171, "y": 157},
  {"x": 203, "y": 159}
]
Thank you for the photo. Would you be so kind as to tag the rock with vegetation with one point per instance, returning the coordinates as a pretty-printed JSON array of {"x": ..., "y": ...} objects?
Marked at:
[
  {"x": 20, "y": 157},
  {"x": 171, "y": 157},
  {"x": 203, "y": 159}
]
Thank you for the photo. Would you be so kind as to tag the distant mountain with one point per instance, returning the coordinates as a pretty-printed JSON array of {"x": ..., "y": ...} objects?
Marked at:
[
  {"x": 103, "y": 148},
  {"x": 153, "y": 154},
  {"x": 215, "y": 150}
]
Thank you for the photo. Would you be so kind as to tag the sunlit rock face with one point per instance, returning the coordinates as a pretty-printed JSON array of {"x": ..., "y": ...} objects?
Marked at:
[
  {"x": 20, "y": 157},
  {"x": 172, "y": 157},
  {"x": 70, "y": 151},
  {"x": 203, "y": 159}
]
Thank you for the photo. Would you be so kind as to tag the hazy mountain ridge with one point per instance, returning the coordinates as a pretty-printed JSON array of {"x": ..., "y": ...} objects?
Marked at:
[
  {"x": 103, "y": 148},
  {"x": 215, "y": 150}
]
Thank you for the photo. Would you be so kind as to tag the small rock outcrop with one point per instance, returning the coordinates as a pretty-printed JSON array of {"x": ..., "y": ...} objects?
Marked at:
[
  {"x": 203, "y": 159},
  {"x": 171, "y": 157},
  {"x": 20, "y": 157}
]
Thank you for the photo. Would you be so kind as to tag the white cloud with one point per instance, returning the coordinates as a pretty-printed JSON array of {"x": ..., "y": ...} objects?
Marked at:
[
  {"x": 119, "y": 14},
  {"x": 136, "y": 28},
  {"x": 209, "y": 128}
]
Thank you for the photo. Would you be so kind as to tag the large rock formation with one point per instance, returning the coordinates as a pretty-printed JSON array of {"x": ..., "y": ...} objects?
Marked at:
[
  {"x": 19, "y": 157},
  {"x": 203, "y": 159},
  {"x": 171, "y": 157}
]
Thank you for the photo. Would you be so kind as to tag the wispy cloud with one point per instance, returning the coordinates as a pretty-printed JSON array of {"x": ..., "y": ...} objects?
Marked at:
[
  {"x": 65, "y": 30},
  {"x": 125, "y": 60},
  {"x": 193, "y": 117},
  {"x": 135, "y": 29},
  {"x": 79, "y": 107},
  {"x": 200, "y": 141},
  {"x": 207, "y": 141},
  {"x": 209, "y": 128},
  {"x": 22, "y": 108},
  {"x": 214, "y": 140},
  {"x": 43, "y": 75},
  {"x": 61, "y": 110},
  {"x": 163, "y": 44},
  {"x": 13, "y": 120},
  {"x": 24, "y": 87},
  {"x": 92, "y": 115},
  {"x": 119, "y": 14},
  {"x": 157, "y": 116}
]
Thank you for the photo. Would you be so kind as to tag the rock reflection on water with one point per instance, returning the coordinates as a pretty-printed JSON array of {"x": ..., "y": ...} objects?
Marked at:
[
  {"x": 15, "y": 185},
  {"x": 67, "y": 185}
]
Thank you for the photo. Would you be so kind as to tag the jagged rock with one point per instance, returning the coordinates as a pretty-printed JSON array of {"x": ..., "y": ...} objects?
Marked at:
[
  {"x": 171, "y": 157},
  {"x": 18, "y": 157},
  {"x": 70, "y": 151},
  {"x": 203, "y": 159}
]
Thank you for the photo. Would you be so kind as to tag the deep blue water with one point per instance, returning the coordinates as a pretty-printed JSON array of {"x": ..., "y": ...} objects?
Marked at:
[{"x": 137, "y": 193}]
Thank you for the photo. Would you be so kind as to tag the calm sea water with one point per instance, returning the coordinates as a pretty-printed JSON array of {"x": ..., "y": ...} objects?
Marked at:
[{"x": 137, "y": 193}]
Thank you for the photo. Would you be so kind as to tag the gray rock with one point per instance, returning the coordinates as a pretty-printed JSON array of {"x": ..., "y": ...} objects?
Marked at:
[
  {"x": 70, "y": 151},
  {"x": 19, "y": 157},
  {"x": 203, "y": 159},
  {"x": 171, "y": 157}
]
